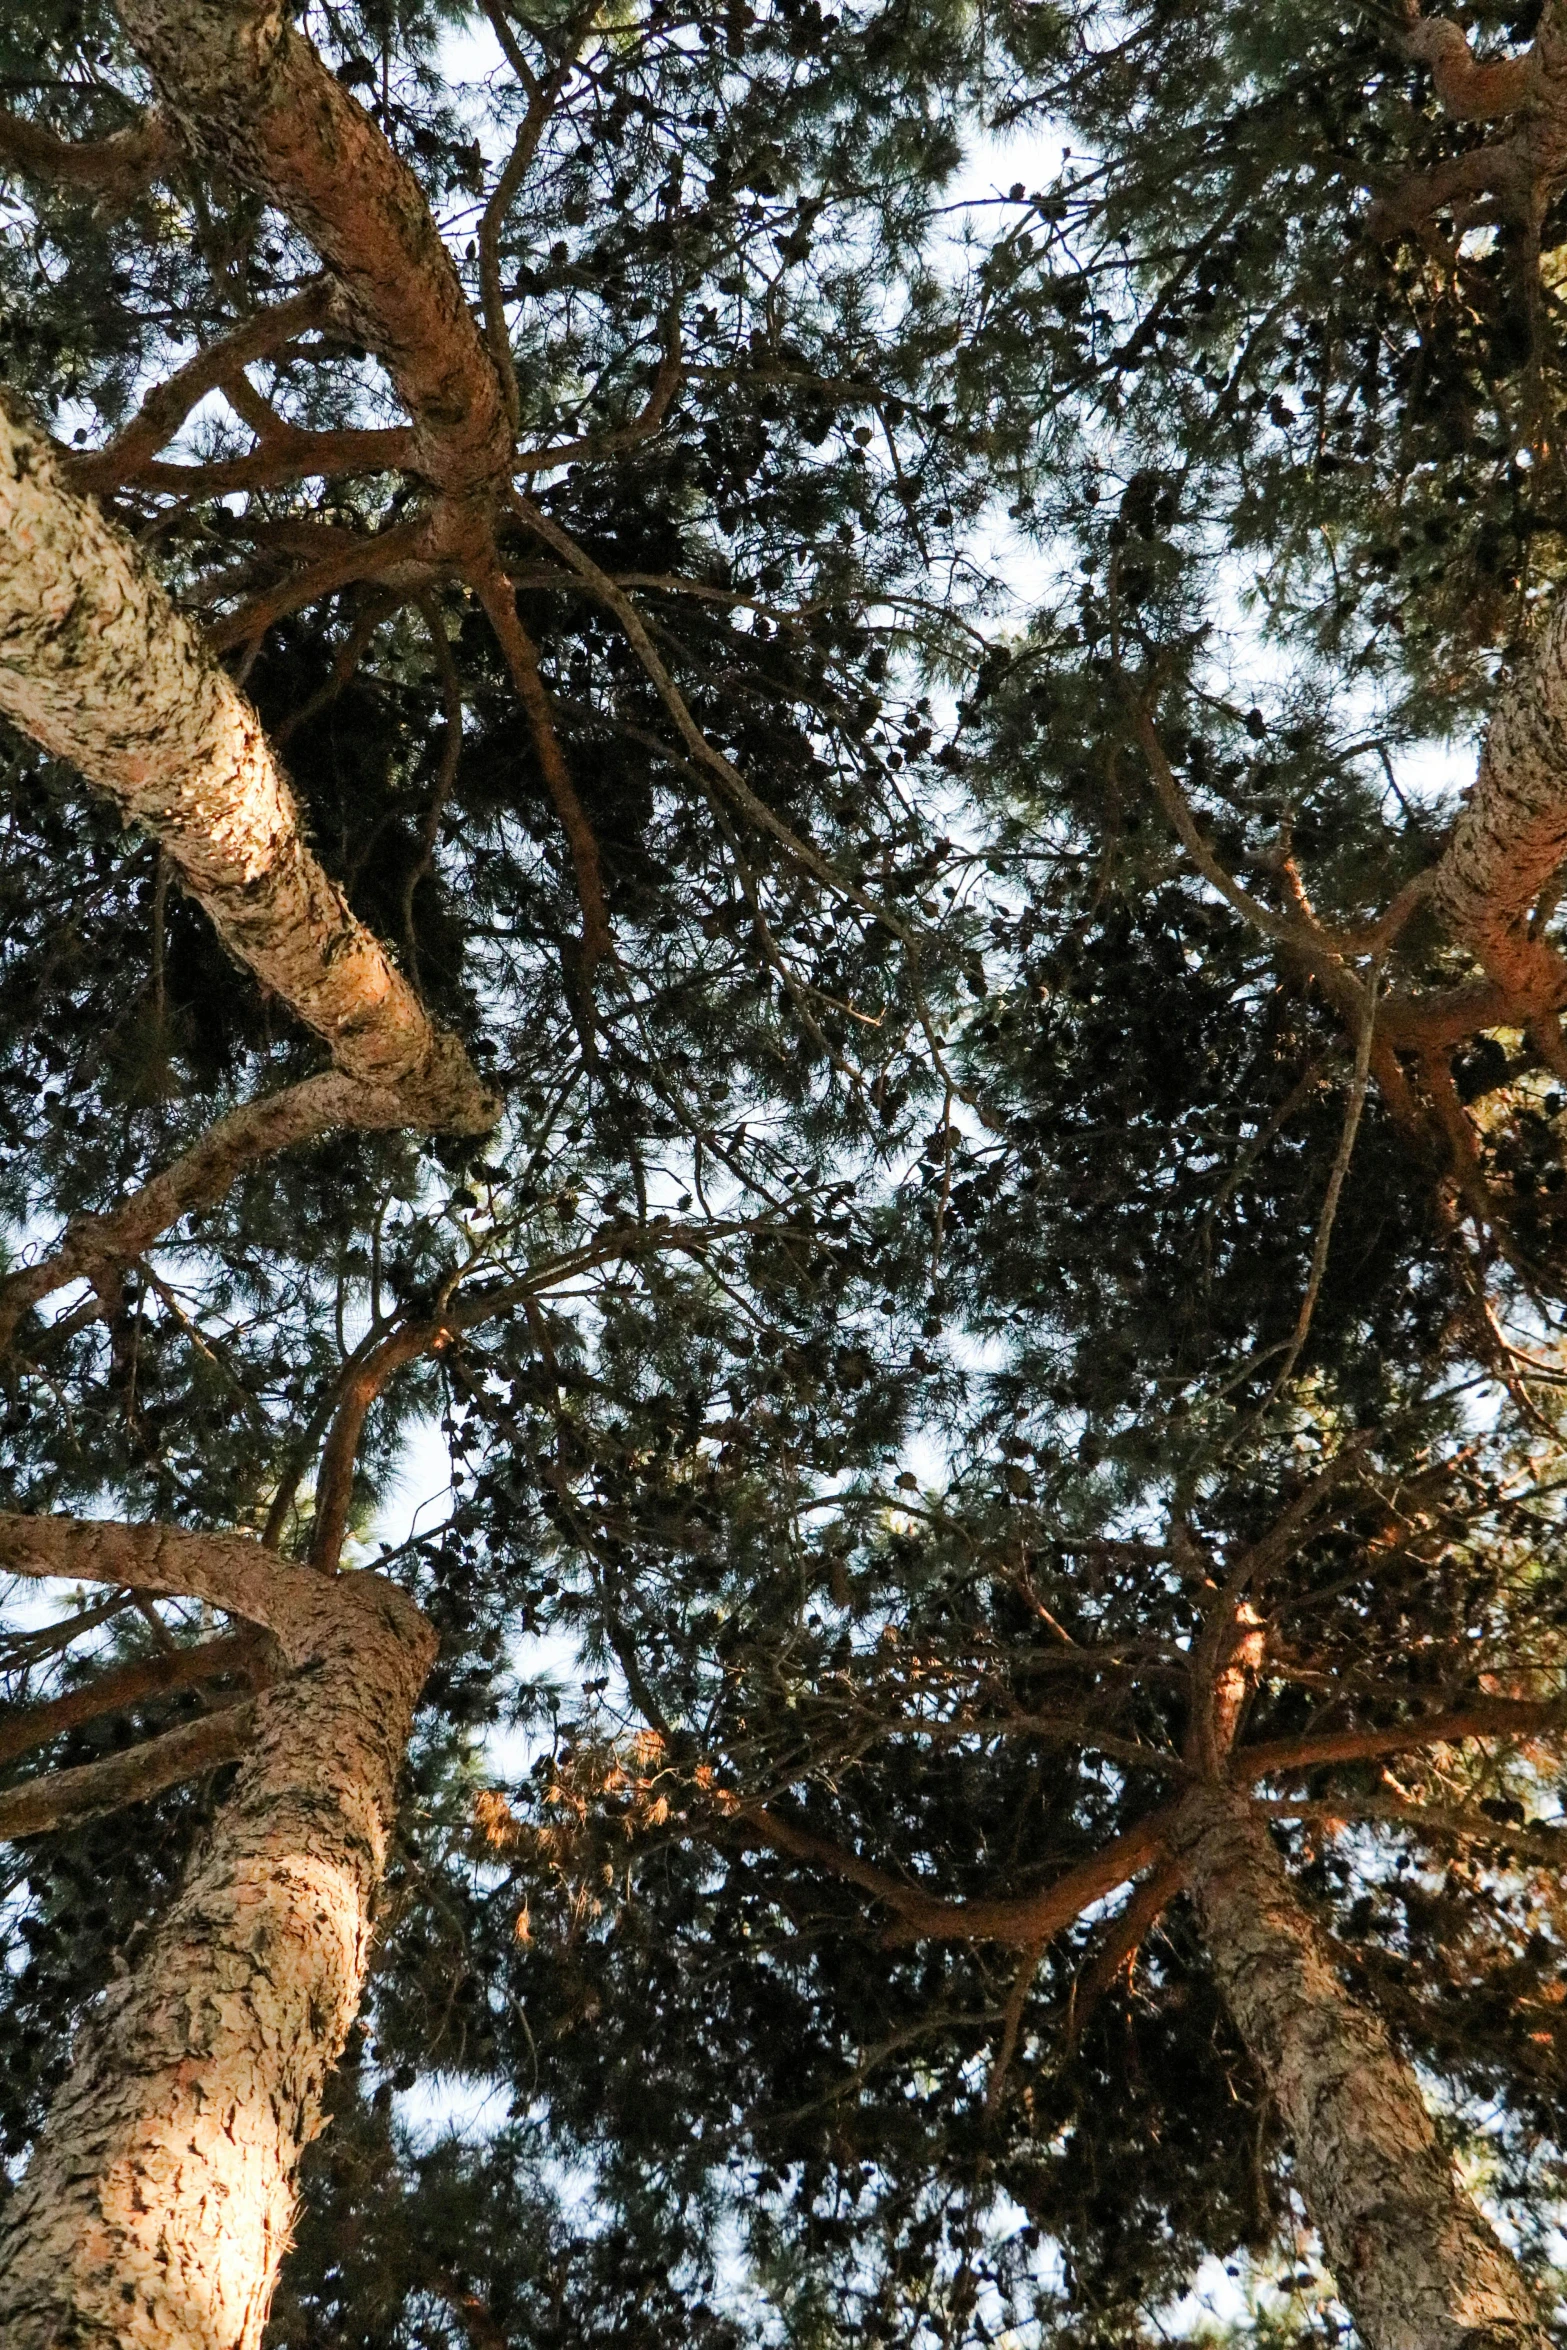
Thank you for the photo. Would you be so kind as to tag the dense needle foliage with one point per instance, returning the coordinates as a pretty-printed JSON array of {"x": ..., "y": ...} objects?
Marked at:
[{"x": 885, "y": 1282}]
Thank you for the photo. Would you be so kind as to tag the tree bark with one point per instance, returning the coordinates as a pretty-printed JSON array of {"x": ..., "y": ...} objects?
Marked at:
[
  {"x": 98, "y": 666},
  {"x": 26, "y": 1727},
  {"x": 1511, "y": 834},
  {"x": 158, "y": 2203},
  {"x": 65, "y": 1799},
  {"x": 253, "y": 97},
  {"x": 1412, "y": 2257}
]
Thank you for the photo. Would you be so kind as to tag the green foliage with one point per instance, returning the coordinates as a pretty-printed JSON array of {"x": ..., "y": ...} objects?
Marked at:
[{"x": 865, "y": 1320}]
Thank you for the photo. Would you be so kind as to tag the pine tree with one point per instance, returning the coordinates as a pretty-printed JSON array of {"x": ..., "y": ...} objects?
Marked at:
[
  {"x": 528, "y": 680},
  {"x": 540, "y": 811}
]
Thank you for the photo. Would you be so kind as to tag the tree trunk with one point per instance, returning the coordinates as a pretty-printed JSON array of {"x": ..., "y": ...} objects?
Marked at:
[
  {"x": 96, "y": 664},
  {"x": 1412, "y": 2257},
  {"x": 255, "y": 99},
  {"x": 158, "y": 2204},
  {"x": 1511, "y": 834}
]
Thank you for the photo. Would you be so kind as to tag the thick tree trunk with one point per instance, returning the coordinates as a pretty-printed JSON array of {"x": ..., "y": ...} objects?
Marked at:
[
  {"x": 1511, "y": 834},
  {"x": 96, "y": 664},
  {"x": 158, "y": 2203},
  {"x": 1413, "y": 2259}
]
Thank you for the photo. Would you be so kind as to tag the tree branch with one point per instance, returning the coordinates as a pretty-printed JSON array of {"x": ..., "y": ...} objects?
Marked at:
[
  {"x": 167, "y": 405},
  {"x": 255, "y": 99},
  {"x": 92, "y": 1245},
  {"x": 499, "y": 599},
  {"x": 592, "y": 446},
  {"x": 1535, "y": 1841},
  {"x": 294, "y": 457},
  {"x": 1034, "y": 1917},
  {"x": 119, "y": 168},
  {"x": 1124, "y": 1936},
  {"x": 97, "y": 666},
  {"x": 1484, "y": 1717},
  {"x": 335, "y": 1479},
  {"x": 64, "y": 1799},
  {"x": 541, "y": 104},
  {"x": 129, "y": 1684},
  {"x": 370, "y": 557}
]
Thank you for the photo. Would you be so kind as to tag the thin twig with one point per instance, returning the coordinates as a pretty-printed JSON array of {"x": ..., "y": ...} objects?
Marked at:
[{"x": 1319, "y": 1255}]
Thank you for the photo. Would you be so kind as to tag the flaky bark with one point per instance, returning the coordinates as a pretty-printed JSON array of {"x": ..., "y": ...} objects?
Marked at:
[
  {"x": 1511, "y": 835},
  {"x": 158, "y": 2203},
  {"x": 1412, "y": 2257},
  {"x": 97, "y": 665},
  {"x": 253, "y": 97}
]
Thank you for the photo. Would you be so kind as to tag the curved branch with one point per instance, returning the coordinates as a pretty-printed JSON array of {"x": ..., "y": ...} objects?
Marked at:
[
  {"x": 118, "y": 169},
  {"x": 335, "y": 1480},
  {"x": 229, "y": 1571},
  {"x": 592, "y": 446},
  {"x": 91, "y": 1246},
  {"x": 167, "y": 405},
  {"x": 96, "y": 665},
  {"x": 1469, "y": 90},
  {"x": 1030, "y": 1918}
]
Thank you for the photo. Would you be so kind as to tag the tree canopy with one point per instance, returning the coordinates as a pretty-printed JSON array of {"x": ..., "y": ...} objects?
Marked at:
[{"x": 748, "y": 821}]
